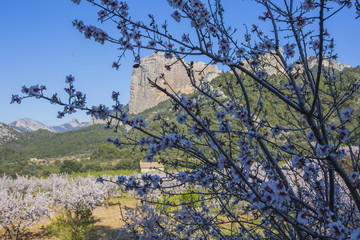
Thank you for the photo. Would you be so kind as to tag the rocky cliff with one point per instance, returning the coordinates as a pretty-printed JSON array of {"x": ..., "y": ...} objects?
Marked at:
[
  {"x": 338, "y": 66},
  {"x": 94, "y": 121},
  {"x": 269, "y": 61},
  {"x": 142, "y": 96},
  {"x": 272, "y": 63}
]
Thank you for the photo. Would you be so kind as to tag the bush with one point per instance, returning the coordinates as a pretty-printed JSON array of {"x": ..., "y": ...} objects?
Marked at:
[
  {"x": 69, "y": 166},
  {"x": 127, "y": 164},
  {"x": 191, "y": 197},
  {"x": 72, "y": 225},
  {"x": 92, "y": 167}
]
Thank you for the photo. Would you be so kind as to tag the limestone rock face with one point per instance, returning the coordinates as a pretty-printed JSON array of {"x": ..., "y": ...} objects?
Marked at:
[
  {"x": 7, "y": 133},
  {"x": 272, "y": 64},
  {"x": 94, "y": 121},
  {"x": 312, "y": 62},
  {"x": 269, "y": 61},
  {"x": 143, "y": 96}
]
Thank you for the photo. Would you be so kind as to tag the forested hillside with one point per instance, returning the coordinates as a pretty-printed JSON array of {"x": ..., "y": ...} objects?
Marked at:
[{"x": 91, "y": 141}]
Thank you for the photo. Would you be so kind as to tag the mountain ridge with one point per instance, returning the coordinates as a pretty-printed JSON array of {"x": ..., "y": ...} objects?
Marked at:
[
  {"x": 91, "y": 140},
  {"x": 30, "y": 125}
]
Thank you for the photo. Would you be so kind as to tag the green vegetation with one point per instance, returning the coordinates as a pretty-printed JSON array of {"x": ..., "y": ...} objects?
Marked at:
[
  {"x": 103, "y": 173},
  {"x": 72, "y": 226},
  {"x": 44, "y": 144},
  {"x": 69, "y": 166},
  {"x": 275, "y": 111},
  {"x": 93, "y": 154}
]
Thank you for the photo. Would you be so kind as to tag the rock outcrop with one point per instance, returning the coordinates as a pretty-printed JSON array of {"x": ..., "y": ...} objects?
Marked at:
[
  {"x": 94, "y": 121},
  {"x": 312, "y": 62},
  {"x": 268, "y": 61},
  {"x": 7, "y": 133},
  {"x": 143, "y": 96},
  {"x": 272, "y": 63}
]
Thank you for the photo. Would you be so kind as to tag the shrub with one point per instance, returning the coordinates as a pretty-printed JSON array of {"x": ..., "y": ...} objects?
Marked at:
[
  {"x": 72, "y": 225},
  {"x": 69, "y": 166}
]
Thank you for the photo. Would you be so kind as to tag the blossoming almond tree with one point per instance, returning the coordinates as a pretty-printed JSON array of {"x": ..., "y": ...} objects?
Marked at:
[
  {"x": 279, "y": 179},
  {"x": 26, "y": 201},
  {"x": 21, "y": 205}
]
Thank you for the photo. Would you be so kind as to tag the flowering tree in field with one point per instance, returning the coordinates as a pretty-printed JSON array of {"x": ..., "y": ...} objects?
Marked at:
[
  {"x": 292, "y": 176},
  {"x": 22, "y": 205},
  {"x": 25, "y": 201},
  {"x": 76, "y": 198}
]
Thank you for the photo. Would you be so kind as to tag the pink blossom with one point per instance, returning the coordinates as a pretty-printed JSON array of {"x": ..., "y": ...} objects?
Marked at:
[
  {"x": 355, "y": 234},
  {"x": 315, "y": 44},
  {"x": 277, "y": 130},
  {"x": 324, "y": 150},
  {"x": 152, "y": 44},
  {"x": 355, "y": 176},
  {"x": 299, "y": 160},
  {"x": 76, "y": 1},
  {"x": 212, "y": 30},
  {"x": 60, "y": 114},
  {"x": 15, "y": 98},
  {"x": 102, "y": 14},
  {"x": 344, "y": 133},
  {"x": 302, "y": 218},
  {"x": 310, "y": 136},
  {"x": 221, "y": 162},
  {"x": 261, "y": 74},
  {"x": 240, "y": 52},
  {"x": 333, "y": 78},
  {"x": 347, "y": 114},
  {"x": 308, "y": 5},
  {"x": 181, "y": 118},
  {"x": 70, "y": 79},
  {"x": 299, "y": 23},
  {"x": 185, "y": 38},
  {"x": 338, "y": 230},
  {"x": 332, "y": 127},
  {"x": 176, "y": 15},
  {"x": 289, "y": 50},
  {"x": 176, "y": 3},
  {"x": 115, "y": 65}
]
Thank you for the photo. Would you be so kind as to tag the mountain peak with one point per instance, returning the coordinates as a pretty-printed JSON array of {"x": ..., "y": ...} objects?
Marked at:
[
  {"x": 72, "y": 125},
  {"x": 30, "y": 125},
  {"x": 75, "y": 122}
]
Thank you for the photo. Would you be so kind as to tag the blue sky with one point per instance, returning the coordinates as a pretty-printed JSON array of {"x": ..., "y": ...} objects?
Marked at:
[{"x": 38, "y": 45}]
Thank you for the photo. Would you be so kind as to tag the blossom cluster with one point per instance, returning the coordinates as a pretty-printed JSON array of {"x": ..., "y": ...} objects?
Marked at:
[{"x": 91, "y": 31}]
